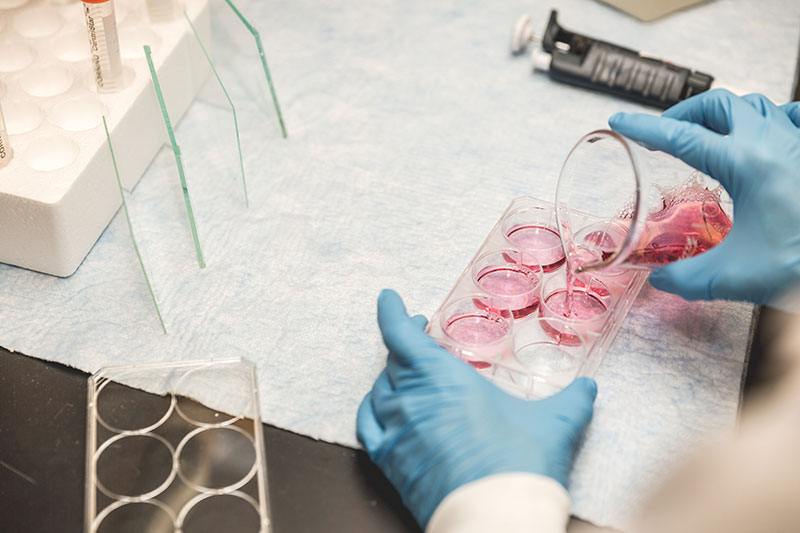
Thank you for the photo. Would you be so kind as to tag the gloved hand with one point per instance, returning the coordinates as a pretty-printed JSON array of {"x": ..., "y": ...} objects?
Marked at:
[
  {"x": 752, "y": 147},
  {"x": 433, "y": 424}
]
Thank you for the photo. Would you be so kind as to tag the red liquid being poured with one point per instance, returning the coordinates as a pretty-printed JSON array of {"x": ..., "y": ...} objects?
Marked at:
[
  {"x": 679, "y": 231},
  {"x": 512, "y": 287},
  {"x": 584, "y": 281},
  {"x": 541, "y": 243}
]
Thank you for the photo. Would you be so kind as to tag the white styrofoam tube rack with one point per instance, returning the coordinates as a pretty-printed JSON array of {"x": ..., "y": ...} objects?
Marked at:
[{"x": 58, "y": 193}]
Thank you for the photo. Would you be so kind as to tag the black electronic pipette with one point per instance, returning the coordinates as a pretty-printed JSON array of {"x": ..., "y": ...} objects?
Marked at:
[{"x": 576, "y": 59}]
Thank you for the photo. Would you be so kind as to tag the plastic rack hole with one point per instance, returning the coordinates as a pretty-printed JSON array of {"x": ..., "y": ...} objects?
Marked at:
[
  {"x": 51, "y": 153},
  {"x": 15, "y": 57},
  {"x": 132, "y": 41},
  {"x": 72, "y": 47},
  {"x": 44, "y": 82},
  {"x": 78, "y": 114},
  {"x": 38, "y": 22},
  {"x": 22, "y": 117}
]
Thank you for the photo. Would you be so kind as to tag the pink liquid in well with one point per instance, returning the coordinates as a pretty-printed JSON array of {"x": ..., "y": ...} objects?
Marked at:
[
  {"x": 585, "y": 306},
  {"x": 604, "y": 242},
  {"x": 476, "y": 330},
  {"x": 605, "y": 245},
  {"x": 512, "y": 287},
  {"x": 542, "y": 243},
  {"x": 679, "y": 231},
  {"x": 579, "y": 305},
  {"x": 600, "y": 242}
]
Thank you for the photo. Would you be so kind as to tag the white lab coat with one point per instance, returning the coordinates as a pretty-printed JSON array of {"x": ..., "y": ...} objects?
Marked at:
[
  {"x": 508, "y": 503},
  {"x": 746, "y": 483}
]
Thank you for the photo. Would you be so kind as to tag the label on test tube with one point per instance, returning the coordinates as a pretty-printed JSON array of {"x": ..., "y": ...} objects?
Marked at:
[{"x": 104, "y": 43}]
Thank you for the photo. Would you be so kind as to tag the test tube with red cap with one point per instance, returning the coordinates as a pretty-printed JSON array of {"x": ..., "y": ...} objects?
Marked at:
[{"x": 104, "y": 44}]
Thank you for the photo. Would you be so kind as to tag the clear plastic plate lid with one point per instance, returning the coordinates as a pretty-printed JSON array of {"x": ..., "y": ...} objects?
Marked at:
[{"x": 159, "y": 462}]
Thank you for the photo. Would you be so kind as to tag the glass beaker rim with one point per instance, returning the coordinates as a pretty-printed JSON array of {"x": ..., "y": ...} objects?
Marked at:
[{"x": 635, "y": 210}]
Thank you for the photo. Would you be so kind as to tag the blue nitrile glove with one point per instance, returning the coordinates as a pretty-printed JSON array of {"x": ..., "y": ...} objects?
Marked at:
[
  {"x": 752, "y": 147},
  {"x": 432, "y": 424}
]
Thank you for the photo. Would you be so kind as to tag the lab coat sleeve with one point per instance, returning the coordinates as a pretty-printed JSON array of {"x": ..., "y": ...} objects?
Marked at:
[{"x": 511, "y": 503}]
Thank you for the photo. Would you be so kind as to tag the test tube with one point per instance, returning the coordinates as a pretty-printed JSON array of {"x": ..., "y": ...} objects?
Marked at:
[
  {"x": 161, "y": 10},
  {"x": 104, "y": 44},
  {"x": 6, "y": 153}
]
